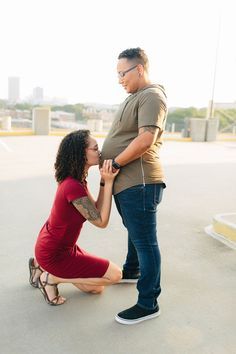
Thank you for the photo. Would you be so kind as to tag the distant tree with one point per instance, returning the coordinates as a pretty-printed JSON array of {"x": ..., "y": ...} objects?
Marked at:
[
  {"x": 69, "y": 108},
  {"x": 227, "y": 117},
  {"x": 178, "y": 116},
  {"x": 3, "y": 104},
  {"x": 23, "y": 106},
  {"x": 77, "y": 109}
]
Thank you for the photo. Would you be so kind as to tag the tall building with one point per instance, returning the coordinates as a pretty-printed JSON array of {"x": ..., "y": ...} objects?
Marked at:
[
  {"x": 37, "y": 95},
  {"x": 13, "y": 89}
]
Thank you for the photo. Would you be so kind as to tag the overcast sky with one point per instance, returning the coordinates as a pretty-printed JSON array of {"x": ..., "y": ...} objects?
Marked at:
[{"x": 70, "y": 47}]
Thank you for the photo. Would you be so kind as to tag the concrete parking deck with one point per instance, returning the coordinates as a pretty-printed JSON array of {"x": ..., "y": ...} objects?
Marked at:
[{"x": 198, "y": 299}]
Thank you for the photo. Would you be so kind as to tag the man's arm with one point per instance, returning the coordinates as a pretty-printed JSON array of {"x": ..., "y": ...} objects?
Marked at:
[{"x": 146, "y": 137}]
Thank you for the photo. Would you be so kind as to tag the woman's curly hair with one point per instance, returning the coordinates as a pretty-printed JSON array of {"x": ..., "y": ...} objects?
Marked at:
[{"x": 71, "y": 156}]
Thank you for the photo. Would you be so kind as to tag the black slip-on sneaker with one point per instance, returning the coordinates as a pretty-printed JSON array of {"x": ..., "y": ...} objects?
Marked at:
[
  {"x": 136, "y": 314},
  {"x": 129, "y": 277}
]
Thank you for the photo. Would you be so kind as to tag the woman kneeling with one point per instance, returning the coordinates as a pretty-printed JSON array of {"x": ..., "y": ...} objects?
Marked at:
[{"x": 58, "y": 259}]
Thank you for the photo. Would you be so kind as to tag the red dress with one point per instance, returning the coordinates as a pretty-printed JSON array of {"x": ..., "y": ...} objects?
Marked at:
[{"x": 56, "y": 250}]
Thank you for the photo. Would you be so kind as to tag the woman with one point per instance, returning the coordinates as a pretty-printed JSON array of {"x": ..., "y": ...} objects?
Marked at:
[{"x": 57, "y": 257}]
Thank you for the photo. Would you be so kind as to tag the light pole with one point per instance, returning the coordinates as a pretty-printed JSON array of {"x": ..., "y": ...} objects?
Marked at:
[{"x": 210, "y": 111}]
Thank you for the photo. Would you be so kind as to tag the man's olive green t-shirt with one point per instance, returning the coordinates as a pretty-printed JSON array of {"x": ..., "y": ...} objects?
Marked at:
[{"x": 146, "y": 107}]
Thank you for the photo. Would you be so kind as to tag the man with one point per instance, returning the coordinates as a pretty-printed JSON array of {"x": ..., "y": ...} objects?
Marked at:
[{"x": 133, "y": 143}]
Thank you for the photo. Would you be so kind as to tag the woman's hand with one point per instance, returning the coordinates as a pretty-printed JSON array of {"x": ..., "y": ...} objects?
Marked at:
[{"x": 106, "y": 171}]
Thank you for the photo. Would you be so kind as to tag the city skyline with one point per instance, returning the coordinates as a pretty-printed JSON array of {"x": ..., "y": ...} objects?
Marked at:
[
  {"x": 13, "y": 89},
  {"x": 37, "y": 98},
  {"x": 71, "y": 48}
]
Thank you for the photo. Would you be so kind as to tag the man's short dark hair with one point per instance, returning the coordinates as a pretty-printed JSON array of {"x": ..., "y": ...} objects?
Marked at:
[{"x": 136, "y": 55}]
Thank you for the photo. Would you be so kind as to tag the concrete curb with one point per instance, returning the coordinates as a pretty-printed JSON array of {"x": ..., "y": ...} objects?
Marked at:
[
  {"x": 166, "y": 137},
  {"x": 223, "y": 229},
  {"x": 225, "y": 224}
]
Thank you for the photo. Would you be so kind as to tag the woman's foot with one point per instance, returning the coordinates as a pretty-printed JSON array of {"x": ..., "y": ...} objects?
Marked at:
[
  {"x": 50, "y": 290},
  {"x": 35, "y": 272}
]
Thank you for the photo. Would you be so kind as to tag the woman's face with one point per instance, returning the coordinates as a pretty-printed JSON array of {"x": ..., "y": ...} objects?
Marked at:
[{"x": 92, "y": 152}]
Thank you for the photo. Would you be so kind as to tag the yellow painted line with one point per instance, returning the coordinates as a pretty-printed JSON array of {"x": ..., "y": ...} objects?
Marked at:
[
  {"x": 52, "y": 133},
  {"x": 99, "y": 135},
  {"x": 177, "y": 139},
  {"x": 5, "y": 146},
  {"x": 63, "y": 132},
  {"x": 16, "y": 133},
  {"x": 225, "y": 139},
  {"x": 103, "y": 135},
  {"x": 59, "y": 133}
]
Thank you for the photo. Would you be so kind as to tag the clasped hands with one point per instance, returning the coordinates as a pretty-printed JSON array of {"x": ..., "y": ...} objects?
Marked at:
[{"x": 107, "y": 172}]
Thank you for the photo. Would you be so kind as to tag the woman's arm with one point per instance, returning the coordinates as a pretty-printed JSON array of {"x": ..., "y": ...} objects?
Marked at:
[
  {"x": 97, "y": 203},
  {"x": 99, "y": 214}
]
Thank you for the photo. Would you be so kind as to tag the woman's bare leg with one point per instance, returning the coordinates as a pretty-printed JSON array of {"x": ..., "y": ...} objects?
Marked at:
[
  {"x": 50, "y": 290},
  {"x": 92, "y": 285},
  {"x": 112, "y": 276},
  {"x": 112, "y": 272},
  {"x": 37, "y": 272}
]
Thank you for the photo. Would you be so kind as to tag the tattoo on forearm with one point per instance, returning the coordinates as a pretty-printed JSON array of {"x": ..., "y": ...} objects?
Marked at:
[
  {"x": 87, "y": 209},
  {"x": 149, "y": 128}
]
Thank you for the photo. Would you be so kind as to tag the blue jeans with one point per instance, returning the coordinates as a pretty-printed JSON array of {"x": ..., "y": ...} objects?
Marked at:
[{"x": 138, "y": 206}]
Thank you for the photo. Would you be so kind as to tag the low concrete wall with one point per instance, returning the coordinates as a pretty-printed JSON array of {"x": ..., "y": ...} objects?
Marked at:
[
  {"x": 212, "y": 129},
  {"x": 5, "y": 123},
  {"x": 203, "y": 129},
  {"x": 41, "y": 120},
  {"x": 198, "y": 129}
]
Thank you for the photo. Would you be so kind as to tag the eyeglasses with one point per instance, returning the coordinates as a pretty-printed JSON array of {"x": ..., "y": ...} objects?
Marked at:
[{"x": 121, "y": 74}]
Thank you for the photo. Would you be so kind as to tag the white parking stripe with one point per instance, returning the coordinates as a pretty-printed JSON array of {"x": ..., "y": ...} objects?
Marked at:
[{"x": 6, "y": 147}]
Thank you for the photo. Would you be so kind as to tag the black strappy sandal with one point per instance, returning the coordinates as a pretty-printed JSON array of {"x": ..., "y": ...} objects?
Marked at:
[
  {"x": 32, "y": 271},
  {"x": 42, "y": 285}
]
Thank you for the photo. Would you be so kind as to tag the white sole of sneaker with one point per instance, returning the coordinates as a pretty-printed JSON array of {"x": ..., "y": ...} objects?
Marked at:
[
  {"x": 130, "y": 322},
  {"x": 128, "y": 281}
]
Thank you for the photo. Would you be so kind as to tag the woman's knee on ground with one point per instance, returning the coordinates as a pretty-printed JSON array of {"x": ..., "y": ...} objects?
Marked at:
[
  {"x": 97, "y": 290},
  {"x": 93, "y": 289}
]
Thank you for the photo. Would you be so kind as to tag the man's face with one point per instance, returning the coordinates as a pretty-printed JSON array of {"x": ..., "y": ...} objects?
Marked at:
[{"x": 128, "y": 74}]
